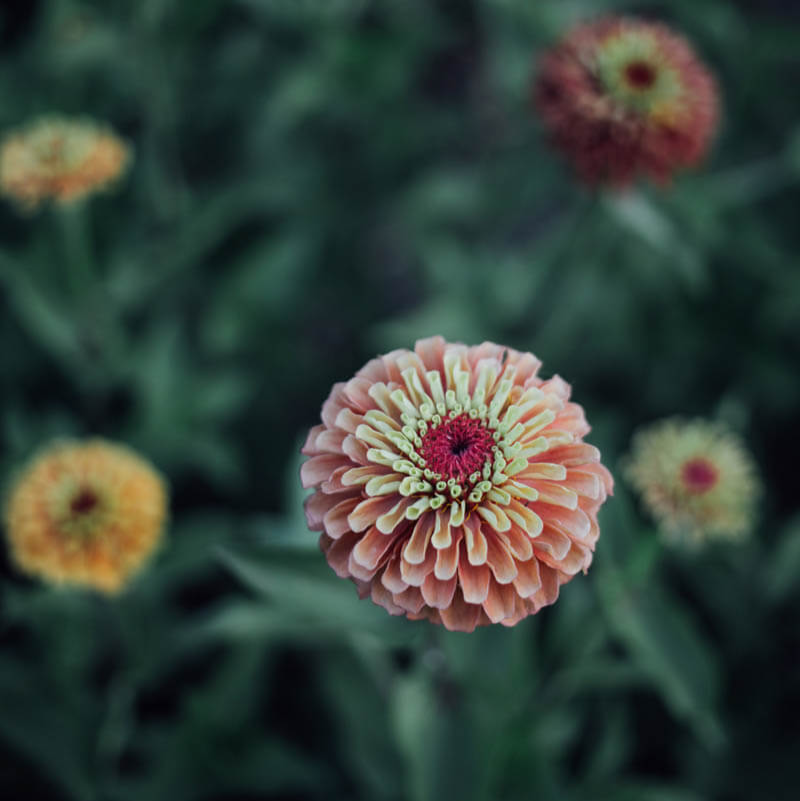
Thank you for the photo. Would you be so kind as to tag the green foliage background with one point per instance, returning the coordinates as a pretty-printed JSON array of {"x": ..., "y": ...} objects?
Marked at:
[{"x": 316, "y": 181}]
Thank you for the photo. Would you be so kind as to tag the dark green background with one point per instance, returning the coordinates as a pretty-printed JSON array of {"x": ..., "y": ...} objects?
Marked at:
[{"x": 317, "y": 181}]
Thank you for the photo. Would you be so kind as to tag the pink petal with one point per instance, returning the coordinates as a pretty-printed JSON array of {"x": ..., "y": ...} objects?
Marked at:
[
  {"x": 310, "y": 446},
  {"x": 474, "y": 580},
  {"x": 499, "y": 560},
  {"x": 431, "y": 351},
  {"x": 317, "y": 506},
  {"x": 552, "y": 543},
  {"x": 335, "y": 520},
  {"x": 460, "y": 616},
  {"x": 337, "y": 552},
  {"x": 528, "y": 580},
  {"x": 500, "y": 602},
  {"x": 319, "y": 468},
  {"x": 392, "y": 579},
  {"x": 438, "y": 594},
  {"x": 410, "y": 599}
]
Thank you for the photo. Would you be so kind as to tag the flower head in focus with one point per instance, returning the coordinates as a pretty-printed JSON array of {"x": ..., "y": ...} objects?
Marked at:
[
  {"x": 696, "y": 478},
  {"x": 452, "y": 484},
  {"x": 622, "y": 97},
  {"x": 85, "y": 513},
  {"x": 60, "y": 159}
]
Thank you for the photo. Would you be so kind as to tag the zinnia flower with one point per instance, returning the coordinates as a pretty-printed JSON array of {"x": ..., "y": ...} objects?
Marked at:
[
  {"x": 621, "y": 97},
  {"x": 61, "y": 159},
  {"x": 696, "y": 478},
  {"x": 452, "y": 484},
  {"x": 86, "y": 513}
]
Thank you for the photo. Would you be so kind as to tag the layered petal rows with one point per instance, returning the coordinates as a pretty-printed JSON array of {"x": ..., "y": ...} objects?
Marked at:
[{"x": 452, "y": 483}]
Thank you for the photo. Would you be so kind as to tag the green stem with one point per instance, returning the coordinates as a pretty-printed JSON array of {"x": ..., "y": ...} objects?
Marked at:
[{"x": 73, "y": 220}]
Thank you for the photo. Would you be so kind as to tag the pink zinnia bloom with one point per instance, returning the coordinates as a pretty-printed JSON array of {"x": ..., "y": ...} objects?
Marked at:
[
  {"x": 622, "y": 97},
  {"x": 452, "y": 484}
]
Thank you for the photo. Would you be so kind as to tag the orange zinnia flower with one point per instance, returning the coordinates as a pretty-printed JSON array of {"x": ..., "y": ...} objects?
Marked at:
[
  {"x": 452, "y": 484},
  {"x": 61, "y": 159},
  {"x": 86, "y": 513}
]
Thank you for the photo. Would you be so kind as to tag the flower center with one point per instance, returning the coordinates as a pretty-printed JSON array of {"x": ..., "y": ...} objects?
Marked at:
[
  {"x": 699, "y": 475},
  {"x": 640, "y": 75},
  {"x": 83, "y": 502},
  {"x": 458, "y": 448}
]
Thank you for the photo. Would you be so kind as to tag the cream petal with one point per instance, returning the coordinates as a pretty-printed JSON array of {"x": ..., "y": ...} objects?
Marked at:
[
  {"x": 475, "y": 540},
  {"x": 447, "y": 559},
  {"x": 373, "y": 547},
  {"x": 348, "y": 421},
  {"x": 355, "y": 450},
  {"x": 438, "y": 594},
  {"x": 518, "y": 543},
  {"x": 415, "y": 574},
  {"x": 474, "y": 580},
  {"x": 357, "y": 476},
  {"x": 390, "y": 519},
  {"x": 335, "y": 521},
  {"x": 415, "y": 549},
  {"x": 369, "y": 510},
  {"x": 442, "y": 538},
  {"x": 525, "y": 518},
  {"x": 358, "y": 571},
  {"x": 555, "y": 494}
]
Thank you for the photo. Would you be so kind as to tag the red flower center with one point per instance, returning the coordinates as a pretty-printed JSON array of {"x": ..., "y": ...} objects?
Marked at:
[
  {"x": 457, "y": 448},
  {"x": 699, "y": 475},
  {"x": 83, "y": 502},
  {"x": 640, "y": 75}
]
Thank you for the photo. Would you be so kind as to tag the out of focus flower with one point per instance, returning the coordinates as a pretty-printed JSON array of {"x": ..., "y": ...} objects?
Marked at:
[
  {"x": 60, "y": 159},
  {"x": 696, "y": 478},
  {"x": 452, "y": 484},
  {"x": 85, "y": 513},
  {"x": 622, "y": 97}
]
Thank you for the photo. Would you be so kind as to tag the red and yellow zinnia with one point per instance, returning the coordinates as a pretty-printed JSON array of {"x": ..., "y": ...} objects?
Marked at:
[
  {"x": 622, "y": 97},
  {"x": 453, "y": 484}
]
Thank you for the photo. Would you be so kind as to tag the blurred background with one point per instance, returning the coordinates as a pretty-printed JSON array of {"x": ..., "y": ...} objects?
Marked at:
[{"x": 318, "y": 181}]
